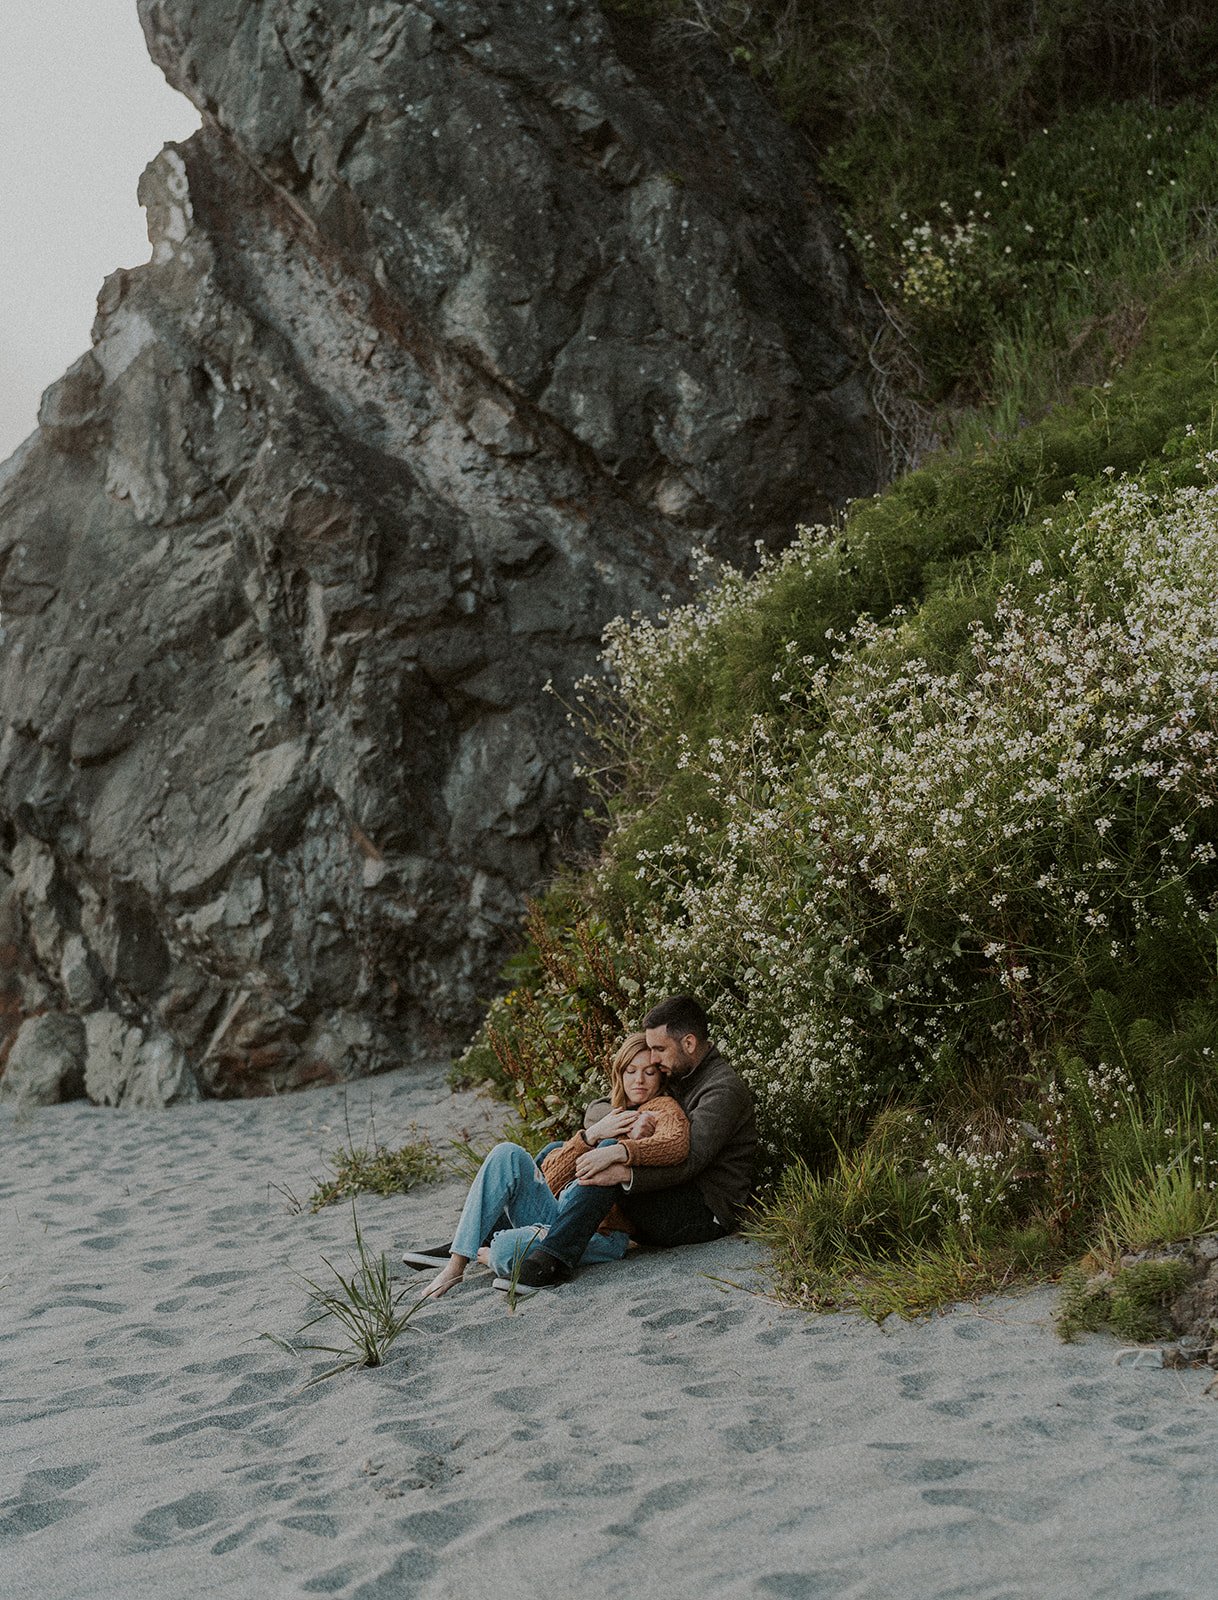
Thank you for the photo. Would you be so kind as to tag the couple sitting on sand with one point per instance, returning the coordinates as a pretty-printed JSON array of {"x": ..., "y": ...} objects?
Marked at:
[{"x": 667, "y": 1160}]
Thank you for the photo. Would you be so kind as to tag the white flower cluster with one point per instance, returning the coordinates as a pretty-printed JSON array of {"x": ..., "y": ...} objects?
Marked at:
[
  {"x": 974, "y": 1176},
  {"x": 1102, "y": 1096},
  {"x": 934, "y": 261}
]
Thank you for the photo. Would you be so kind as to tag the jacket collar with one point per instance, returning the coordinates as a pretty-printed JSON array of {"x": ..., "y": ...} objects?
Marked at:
[{"x": 680, "y": 1087}]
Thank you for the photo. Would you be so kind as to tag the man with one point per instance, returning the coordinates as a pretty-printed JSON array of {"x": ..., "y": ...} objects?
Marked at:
[{"x": 698, "y": 1199}]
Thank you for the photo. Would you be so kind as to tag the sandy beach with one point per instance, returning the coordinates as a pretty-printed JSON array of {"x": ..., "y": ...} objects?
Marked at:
[{"x": 653, "y": 1428}]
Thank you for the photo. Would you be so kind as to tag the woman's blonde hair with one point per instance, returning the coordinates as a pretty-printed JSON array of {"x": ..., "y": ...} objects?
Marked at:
[{"x": 622, "y": 1057}]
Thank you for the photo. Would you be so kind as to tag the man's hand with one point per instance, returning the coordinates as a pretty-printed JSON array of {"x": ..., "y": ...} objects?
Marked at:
[
  {"x": 607, "y": 1176},
  {"x": 594, "y": 1165}
]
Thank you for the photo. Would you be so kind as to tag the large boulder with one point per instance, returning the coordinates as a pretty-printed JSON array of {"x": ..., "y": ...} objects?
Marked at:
[
  {"x": 462, "y": 326},
  {"x": 46, "y": 1063},
  {"x": 123, "y": 1066}
]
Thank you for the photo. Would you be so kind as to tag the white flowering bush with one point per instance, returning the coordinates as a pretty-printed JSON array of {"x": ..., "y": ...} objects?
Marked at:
[{"x": 917, "y": 863}]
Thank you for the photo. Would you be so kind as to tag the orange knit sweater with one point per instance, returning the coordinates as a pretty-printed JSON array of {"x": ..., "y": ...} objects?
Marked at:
[{"x": 664, "y": 1148}]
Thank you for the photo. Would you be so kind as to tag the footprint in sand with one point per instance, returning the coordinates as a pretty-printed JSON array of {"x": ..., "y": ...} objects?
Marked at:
[
  {"x": 927, "y": 1469},
  {"x": 163, "y": 1338},
  {"x": 40, "y": 1503},
  {"x": 433, "y": 1529},
  {"x": 968, "y": 1330},
  {"x": 411, "y": 1569},
  {"x": 805, "y": 1585},
  {"x": 994, "y": 1504},
  {"x": 752, "y": 1438},
  {"x": 18, "y": 1517},
  {"x": 711, "y": 1389},
  {"x": 315, "y": 1522},
  {"x": 258, "y": 1386},
  {"x": 525, "y": 1401},
  {"x": 329, "y": 1582},
  {"x": 180, "y": 1519},
  {"x": 964, "y": 1406},
  {"x": 665, "y": 1497},
  {"x": 242, "y": 1535},
  {"x": 721, "y": 1321},
  {"x": 66, "y": 1477},
  {"x": 137, "y": 1382},
  {"x": 774, "y": 1336},
  {"x": 669, "y": 1319},
  {"x": 212, "y": 1280},
  {"x": 110, "y": 1307},
  {"x": 1134, "y": 1422},
  {"x": 648, "y": 1306}
]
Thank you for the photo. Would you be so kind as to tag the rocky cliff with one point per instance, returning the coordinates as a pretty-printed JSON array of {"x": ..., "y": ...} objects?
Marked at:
[{"x": 463, "y": 323}]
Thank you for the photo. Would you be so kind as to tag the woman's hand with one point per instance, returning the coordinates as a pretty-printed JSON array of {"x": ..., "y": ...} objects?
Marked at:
[
  {"x": 644, "y": 1125},
  {"x": 612, "y": 1126}
]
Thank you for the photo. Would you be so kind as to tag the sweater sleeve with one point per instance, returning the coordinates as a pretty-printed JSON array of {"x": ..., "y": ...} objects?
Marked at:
[
  {"x": 558, "y": 1168},
  {"x": 719, "y": 1112},
  {"x": 669, "y": 1143}
]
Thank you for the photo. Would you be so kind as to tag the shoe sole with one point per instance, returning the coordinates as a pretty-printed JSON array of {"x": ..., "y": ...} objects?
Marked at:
[
  {"x": 523, "y": 1291},
  {"x": 424, "y": 1260}
]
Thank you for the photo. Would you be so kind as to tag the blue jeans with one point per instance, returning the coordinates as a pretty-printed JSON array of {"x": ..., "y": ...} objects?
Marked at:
[
  {"x": 510, "y": 1205},
  {"x": 664, "y": 1217}
]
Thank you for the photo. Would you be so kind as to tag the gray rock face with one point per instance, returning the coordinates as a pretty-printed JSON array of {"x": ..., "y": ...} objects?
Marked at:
[
  {"x": 463, "y": 324},
  {"x": 125, "y": 1067},
  {"x": 47, "y": 1061}
]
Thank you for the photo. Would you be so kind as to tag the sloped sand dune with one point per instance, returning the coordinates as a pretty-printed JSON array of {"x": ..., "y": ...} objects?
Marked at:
[{"x": 648, "y": 1430}]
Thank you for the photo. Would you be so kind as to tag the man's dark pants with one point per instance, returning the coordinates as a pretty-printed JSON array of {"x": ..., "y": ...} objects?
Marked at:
[{"x": 663, "y": 1217}]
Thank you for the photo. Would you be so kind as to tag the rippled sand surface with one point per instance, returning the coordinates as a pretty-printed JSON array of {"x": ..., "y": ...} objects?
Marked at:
[{"x": 651, "y": 1429}]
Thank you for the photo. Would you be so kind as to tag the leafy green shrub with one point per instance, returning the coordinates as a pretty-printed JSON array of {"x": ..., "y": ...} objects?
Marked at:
[
  {"x": 551, "y": 1036},
  {"x": 918, "y": 862},
  {"x": 1132, "y": 1303}
]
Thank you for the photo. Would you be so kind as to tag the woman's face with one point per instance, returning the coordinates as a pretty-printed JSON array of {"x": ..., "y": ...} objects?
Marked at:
[{"x": 641, "y": 1079}]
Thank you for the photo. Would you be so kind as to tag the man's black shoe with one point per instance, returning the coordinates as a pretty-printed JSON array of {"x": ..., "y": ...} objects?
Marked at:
[{"x": 539, "y": 1270}]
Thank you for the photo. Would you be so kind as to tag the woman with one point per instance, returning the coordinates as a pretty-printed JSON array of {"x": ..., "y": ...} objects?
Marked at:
[{"x": 514, "y": 1201}]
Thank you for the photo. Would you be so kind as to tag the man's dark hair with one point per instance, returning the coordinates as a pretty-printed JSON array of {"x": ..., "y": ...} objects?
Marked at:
[{"x": 679, "y": 1014}]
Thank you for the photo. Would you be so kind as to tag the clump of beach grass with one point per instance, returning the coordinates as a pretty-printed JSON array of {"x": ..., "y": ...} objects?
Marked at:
[
  {"x": 374, "y": 1168},
  {"x": 362, "y": 1305},
  {"x": 378, "y": 1170}
]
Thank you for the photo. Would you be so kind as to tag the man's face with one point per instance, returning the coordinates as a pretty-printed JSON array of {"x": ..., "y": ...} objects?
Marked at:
[{"x": 675, "y": 1056}]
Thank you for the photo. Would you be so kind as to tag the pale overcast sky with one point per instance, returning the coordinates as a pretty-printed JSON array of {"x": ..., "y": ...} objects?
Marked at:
[{"x": 82, "y": 112}]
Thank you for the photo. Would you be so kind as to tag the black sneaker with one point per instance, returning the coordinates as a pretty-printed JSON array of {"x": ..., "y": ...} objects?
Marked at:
[
  {"x": 539, "y": 1270},
  {"x": 428, "y": 1260}
]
